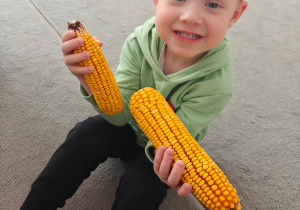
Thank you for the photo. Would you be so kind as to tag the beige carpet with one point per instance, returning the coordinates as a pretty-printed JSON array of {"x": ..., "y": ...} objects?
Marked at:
[{"x": 256, "y": 140}]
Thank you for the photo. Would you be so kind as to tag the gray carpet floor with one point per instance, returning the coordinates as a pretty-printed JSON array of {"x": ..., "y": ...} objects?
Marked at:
[{"x": 256, "y": 140}]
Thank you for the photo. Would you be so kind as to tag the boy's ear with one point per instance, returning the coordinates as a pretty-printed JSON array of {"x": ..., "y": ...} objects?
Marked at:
[
  {"x": 237, "y": 13},
  {"x": 155, "y": 2}
]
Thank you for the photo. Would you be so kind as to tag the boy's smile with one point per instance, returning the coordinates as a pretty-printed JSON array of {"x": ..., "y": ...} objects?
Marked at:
[
  {"x": 185, "y": 36},
  {"x": 190, "y": 28}
]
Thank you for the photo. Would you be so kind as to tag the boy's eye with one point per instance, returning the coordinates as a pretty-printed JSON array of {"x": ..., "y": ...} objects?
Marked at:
[
  {"x": 212, "y": 5},
  {"x": 181, "y": 0}
]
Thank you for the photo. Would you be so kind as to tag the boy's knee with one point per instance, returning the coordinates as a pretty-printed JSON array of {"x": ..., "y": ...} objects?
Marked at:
[{"x": 87, "y": 126}]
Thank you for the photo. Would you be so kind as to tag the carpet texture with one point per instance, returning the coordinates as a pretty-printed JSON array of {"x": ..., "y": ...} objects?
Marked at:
[{"x": 256, "y": 139}]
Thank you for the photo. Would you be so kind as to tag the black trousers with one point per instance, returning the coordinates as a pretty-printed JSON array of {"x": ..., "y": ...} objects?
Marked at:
[{"x": 87, "y": 145}]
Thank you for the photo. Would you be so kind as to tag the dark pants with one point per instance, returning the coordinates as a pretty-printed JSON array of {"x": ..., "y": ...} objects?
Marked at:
[{"x": 87, "y": 145}]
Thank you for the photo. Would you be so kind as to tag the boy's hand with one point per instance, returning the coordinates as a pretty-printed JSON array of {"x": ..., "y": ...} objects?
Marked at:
[
  {"x": 168, "y": 175},
  {"x": 69, "y": 43}
]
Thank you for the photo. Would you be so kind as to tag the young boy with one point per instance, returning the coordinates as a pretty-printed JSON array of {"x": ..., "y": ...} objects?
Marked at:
[{"x": 183, "y": 53}]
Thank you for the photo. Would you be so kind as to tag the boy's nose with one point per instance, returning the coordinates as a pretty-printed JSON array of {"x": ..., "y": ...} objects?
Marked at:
[{"x": 192, "y": 14}]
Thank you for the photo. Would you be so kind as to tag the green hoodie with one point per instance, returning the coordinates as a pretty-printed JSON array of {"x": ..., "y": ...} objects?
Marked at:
[{"x": 198, "y": 93}]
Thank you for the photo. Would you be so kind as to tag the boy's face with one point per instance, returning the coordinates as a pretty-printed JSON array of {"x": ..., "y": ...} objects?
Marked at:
[{"x": 190, "y": 28}]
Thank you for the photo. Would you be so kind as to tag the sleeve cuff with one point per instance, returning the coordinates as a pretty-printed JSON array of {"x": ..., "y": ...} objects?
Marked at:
[
  {"x": 84, "y": 93},
  {"x": 150, "y": 151},
  {"x": 90, "y": 98}
]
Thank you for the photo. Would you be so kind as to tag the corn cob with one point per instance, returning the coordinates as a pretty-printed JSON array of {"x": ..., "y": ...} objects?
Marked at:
[
  {"x": 101, "y": 81},
  {"x": 161, "y": 125}
]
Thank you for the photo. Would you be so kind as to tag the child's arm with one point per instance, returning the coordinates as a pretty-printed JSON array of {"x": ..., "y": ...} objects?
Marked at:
[
  {"x": 69, "y": 43},
  {"x": 167, "y": 174}
]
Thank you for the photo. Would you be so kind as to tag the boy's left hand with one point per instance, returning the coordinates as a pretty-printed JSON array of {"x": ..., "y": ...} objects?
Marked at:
[{"x": 167, "y": 174}]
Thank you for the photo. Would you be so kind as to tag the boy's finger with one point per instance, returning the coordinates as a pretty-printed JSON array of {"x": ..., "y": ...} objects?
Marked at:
[
  {"x": 98, "y": 41},
  {"x": 158, "y": 158},
  {"x": 68, "y": 35},
  {"x": 165, "y": 166},
  {"x": 175, "y": 175},
  {"x": 81, "y": 70},
  {"x": 68, "y": 46},
  {"x": 75, "y": 58},
  {"x": 184, "y": 189}
]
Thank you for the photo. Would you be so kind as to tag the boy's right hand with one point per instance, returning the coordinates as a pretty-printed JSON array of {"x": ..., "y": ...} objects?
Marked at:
[
  {"x": 167, "y": 174},
  {"x": 69, "y": 43}
]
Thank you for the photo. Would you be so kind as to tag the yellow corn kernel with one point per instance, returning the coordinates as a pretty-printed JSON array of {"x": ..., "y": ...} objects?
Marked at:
[
  {"x": 101, "y": 81},
  {"x": 210, "y": 185}
]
